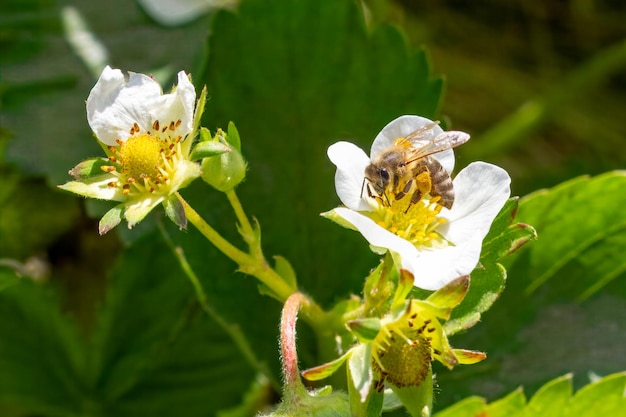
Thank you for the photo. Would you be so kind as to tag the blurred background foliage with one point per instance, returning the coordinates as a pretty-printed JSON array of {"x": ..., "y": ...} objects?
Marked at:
[{"x": 111, "y": 326}]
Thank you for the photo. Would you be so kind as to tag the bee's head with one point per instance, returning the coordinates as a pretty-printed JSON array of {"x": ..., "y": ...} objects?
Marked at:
[{"x": 378, "y": 176}]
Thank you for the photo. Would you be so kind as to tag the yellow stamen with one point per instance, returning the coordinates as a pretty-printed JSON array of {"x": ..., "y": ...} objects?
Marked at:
[{"x": 144, "y": 162}]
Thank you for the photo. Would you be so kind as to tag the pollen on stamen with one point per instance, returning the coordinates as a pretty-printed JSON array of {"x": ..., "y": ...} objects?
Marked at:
[
  {"x": 178, "y": 122},
  {"x": 155, "y": 125},
  {"x": 112, "y": 158},
  {"x": 172, "y": 125},
  {"x": 112, "y": 184},
  {"x": 108, "y": 168},
  {"x": 126, "y": 189}
]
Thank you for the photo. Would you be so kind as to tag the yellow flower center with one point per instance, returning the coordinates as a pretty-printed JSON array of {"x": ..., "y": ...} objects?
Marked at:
[
  {"x": 140, "y": 157},
  {"x": 146, "y": 161},
  {"x": 416, "y": 222}
]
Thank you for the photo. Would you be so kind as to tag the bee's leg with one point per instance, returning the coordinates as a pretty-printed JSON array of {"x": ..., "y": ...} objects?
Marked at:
[
  {"x": 423, "y": 186},
  {"x": 405, "y": 190}
]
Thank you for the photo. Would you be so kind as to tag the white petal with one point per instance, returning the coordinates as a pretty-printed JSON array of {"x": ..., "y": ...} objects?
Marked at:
[
  {"x": 114, "y": 104},
  {"x": 400, "y": 128},
  {"x": 178, "y": 105},
  {"x": 351, "y": 162},
  {"x": 177, "y": 12},
  {"x": 376, "y": 235},
  {"x": 435, "y": 268},
  {"x": 481, "y": 189}
]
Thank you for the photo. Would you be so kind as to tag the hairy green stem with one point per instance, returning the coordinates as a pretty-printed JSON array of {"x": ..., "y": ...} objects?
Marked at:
[
  {"x": 246, "y": 228},
  {"x": 257, "y": 267}
]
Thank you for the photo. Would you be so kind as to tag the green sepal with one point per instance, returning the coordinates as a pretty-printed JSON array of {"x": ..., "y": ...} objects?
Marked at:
[
  {"x": 418, "y": 400},
  {"x": 391, "y": 401},
  {"x": 285, "y": 270},
  {"x": 324, "y": 371},
  {"x": 360, "y": 373},
  {"x": 365, "y": 329},
  {"x": 175, "y": 211},
  {"x": 405, "y": 285},
  {"x": 207, "y": 149},
  {"x": 450, "y": 295},
  {"x": 332, "y": 215},
  {"x": 111, "y": 219},
  {"x": 89, "y": 168},
  {"x": 365, "y": 399},
  {"x": 205, "y": 135},
  {"x": 197, "y": 117},
  {"x": 469, "y": 357},
  {"x": 233, "y": 136}
]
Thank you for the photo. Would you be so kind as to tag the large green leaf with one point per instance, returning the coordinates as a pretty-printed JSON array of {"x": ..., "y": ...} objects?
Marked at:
[
  {"x": 153, "y": 350},
  {"x": 295, "y": 77},
  {"x": 581, "y": 226},
  {"x": 565, "y": 298},
  {"x": 40, "y": 352},
  {"x": 604, "y": 397}
]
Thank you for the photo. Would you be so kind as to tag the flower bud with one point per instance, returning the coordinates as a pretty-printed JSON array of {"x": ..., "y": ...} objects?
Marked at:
[{"x": 225, "y": 171}]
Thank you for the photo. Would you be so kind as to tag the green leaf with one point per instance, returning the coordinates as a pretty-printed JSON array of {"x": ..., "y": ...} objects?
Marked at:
[
  {"x": 469, "y": 407},
  {"x": 154, "y": 351},
  {"x": 533, "y": 336},
  {"x": 551, "y": 399},
  {"x": 507, "y": 406},
  {"x": 39, "y": 347},
  {"x": 602, "y": 398},
  {"x": 151, "y": 351},
  {"x": 296, "y": 77},
  {"x": 581, "y": 236}
]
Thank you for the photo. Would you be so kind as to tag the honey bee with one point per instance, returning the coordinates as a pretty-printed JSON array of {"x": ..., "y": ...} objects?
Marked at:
[{"x": 407, "y": 168}]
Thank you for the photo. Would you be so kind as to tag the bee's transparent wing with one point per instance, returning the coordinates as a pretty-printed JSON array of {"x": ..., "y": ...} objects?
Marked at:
[{"x": 441, "y": 142}]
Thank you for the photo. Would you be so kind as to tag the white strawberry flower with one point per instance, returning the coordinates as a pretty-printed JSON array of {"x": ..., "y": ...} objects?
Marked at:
[
  {"x": 434, "y": 243},
  {"x": 145, "y": 135}
]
